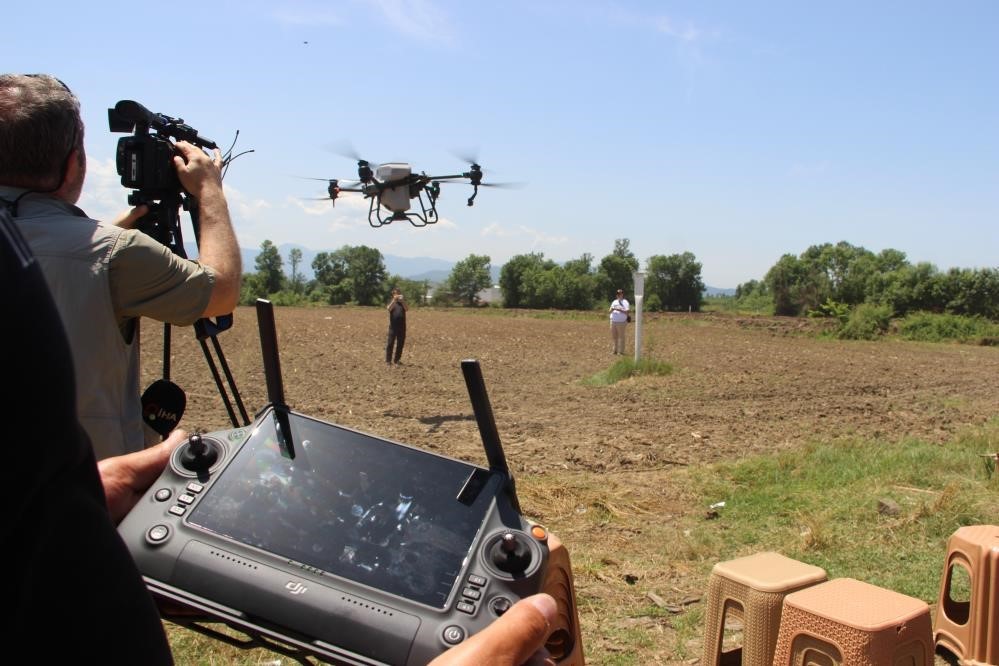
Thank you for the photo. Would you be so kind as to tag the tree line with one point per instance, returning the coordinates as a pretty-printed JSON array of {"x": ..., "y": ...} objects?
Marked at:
[
  {"x": 827, "y": 279},
  {"x": 357, "y": 274}
]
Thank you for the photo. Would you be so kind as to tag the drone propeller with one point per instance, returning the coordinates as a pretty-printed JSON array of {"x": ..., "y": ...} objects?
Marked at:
[
  {"x": 502, "y": 185},
  {"x": 329, "y": 180}
]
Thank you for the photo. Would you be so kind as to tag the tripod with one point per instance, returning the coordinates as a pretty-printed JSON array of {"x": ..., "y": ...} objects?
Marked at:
[{"x": 163, "y": 224}]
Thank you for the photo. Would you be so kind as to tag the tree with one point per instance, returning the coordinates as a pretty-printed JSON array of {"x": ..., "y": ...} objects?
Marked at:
[
  {"x": 269, "y": 268},
  {"x": 512, "y": 277},
  {"x": 615, "y": 270},
  {"x": 331, "y": 276},
  {"x": 366, "y": 270},
  {"x": 297, "y": 281},
  {"x": 676, "y": 279},
  {"x": 468, "y": 277},
  {"x": 351, "y": 273}
]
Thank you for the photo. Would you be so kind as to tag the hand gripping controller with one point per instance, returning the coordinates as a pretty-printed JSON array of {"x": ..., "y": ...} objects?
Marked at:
[{"x": 315, "y": 539}]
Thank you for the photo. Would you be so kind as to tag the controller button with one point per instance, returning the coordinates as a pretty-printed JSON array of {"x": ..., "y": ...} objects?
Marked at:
[
  {"x": 500, "y": 605},
  {"x": 471, "y": 593},
  {"x": 178, "y": 510},
  {"x": 453, "y": 634},
  {"x": 163, "y": 494},
  {"x": 157, "y": 534},
  {"x": 186, "y": 499},
  {"x": 539, "y": 533},
  {"x": 477, "y": 581},
  {"x": 195, "y": 488},
  {"x": 465, "y": 607}
]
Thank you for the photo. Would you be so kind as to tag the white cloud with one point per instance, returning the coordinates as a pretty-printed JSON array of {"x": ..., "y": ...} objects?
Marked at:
[
  {"x": 417, "y": 18},
  {"x": 103, "y": 198},
  {"x": 536, "y": 238},
  {"x": 242, "y": 207},
  {"x": 687, "y": 32}
]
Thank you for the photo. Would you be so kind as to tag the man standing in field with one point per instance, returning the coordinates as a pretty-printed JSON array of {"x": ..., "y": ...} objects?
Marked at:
[
  {"x": 103, "y": 277},
  {"x": 619, "y": 319},
  {"x": 397, "y": 309}
]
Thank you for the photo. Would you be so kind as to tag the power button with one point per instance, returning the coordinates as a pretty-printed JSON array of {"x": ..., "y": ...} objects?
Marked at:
[{"x": 453, "y": 634}]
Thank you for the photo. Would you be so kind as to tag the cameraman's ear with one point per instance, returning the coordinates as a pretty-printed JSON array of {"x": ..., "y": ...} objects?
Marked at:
[{"x": 128, "y": 219}]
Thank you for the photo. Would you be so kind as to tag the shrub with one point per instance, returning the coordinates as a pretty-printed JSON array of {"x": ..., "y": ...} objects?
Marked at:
[
  {"x": 930, "y": 327},
  {"x": 866, "y": 322}
]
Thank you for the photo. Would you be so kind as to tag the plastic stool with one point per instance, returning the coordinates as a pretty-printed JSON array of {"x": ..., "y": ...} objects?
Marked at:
[
  {"x": 846, "y": 622},
  {"x": 752, "y": 587},
  {"x": 969, "y": 628}
]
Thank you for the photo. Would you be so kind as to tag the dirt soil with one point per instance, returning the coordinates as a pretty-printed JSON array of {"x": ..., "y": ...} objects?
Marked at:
[{"x": 740, "y": 386}]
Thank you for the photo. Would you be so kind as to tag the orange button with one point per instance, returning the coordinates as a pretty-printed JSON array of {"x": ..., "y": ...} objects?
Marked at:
[{"x": 539, "y": 533}]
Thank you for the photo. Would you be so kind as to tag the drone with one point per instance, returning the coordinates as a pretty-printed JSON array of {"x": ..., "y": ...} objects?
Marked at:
[{"x": 392, "y": 186}]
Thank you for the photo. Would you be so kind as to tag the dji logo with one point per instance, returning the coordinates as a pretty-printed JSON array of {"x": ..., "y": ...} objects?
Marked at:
[{"x": 295, "y": 587}]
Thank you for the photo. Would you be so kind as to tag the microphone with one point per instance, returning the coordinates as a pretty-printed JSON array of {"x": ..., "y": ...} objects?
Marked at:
[{"x": 163, "y": 404}]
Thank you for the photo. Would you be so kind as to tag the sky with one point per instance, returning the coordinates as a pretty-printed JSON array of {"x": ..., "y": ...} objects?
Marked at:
[{"x": 736, "y": 131}]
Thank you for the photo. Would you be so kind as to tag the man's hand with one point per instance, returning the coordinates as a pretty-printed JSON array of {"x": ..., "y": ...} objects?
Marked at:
[
  {"x": 218, "y": 249},
  {"x": 517, "y": 638},
  {"x": 198, "y": 173},
  {"x": 128, "y": 219},
  {"x": 127, "y": 477}
]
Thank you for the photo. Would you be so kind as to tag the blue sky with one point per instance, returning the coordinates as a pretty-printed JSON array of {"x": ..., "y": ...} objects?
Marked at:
[{"x": 736, "y": 131}]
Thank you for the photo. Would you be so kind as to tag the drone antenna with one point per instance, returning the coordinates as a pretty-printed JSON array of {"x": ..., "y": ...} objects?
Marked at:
[
  {"x": 272, "y": 373},
  {"x": 487, "y": 425}
]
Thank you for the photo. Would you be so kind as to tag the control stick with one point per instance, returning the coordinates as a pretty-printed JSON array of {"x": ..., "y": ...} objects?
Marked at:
[
  {"x": 511, "y": 553},
  {"x": 199, "y": 455}
]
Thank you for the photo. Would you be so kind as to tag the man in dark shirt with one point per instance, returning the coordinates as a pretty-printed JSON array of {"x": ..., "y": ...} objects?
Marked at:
[
  {"x": 397, "y": 328},
  {"x": 77, "y": 594}
]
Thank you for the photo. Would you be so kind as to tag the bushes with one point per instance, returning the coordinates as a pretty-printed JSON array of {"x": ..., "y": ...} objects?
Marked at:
[
  {"x": 866, "y": 322},
  {"x": 927, "y": 327}
]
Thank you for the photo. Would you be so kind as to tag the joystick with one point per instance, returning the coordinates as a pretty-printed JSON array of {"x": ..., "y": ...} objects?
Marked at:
[
  {"x": 199, "y": 455},
  {"x": 511, "y": 553}
]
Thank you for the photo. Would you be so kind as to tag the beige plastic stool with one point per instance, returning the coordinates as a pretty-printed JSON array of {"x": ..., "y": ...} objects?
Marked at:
[
  {"x": 969, "y": 628},
  {"x": 846, "y": 622},
  {"x": 752, "y": 587}
]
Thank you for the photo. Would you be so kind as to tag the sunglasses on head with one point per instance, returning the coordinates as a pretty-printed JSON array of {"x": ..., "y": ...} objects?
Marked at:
[{"x": 48, "y": 76}]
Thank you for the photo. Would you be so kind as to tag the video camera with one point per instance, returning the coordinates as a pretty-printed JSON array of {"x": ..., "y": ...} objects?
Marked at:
[{"x": 145, "y": 161}]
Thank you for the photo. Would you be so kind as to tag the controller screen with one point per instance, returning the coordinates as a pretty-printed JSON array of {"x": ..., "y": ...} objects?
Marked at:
[{"x": 378, "y": 513}]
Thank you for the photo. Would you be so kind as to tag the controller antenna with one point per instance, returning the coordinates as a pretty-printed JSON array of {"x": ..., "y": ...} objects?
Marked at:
[
  {"x": 487, "y": 426},
  {"x": 272, "y": 373}
]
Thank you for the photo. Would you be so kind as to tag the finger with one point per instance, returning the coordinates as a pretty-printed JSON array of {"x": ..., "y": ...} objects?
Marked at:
[
  {"x": 509, "y": 641},
  {"x": 149, "y": 463}
]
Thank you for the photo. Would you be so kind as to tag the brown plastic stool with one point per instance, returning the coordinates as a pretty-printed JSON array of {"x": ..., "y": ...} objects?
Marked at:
[
  {"x": 752, "y": 587},
  {"x": 846, "y": 622},
  {"x": 969, "y": 628}
]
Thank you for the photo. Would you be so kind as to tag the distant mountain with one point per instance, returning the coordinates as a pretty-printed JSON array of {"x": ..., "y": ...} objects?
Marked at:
[{"x": 715, "y": 291}]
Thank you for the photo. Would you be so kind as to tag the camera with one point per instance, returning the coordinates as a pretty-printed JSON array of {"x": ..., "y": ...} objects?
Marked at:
[{"x": 145, "y": 160}]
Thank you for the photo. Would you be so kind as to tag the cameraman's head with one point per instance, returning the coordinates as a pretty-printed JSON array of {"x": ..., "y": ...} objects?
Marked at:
[{"x": 41, "y": 136}]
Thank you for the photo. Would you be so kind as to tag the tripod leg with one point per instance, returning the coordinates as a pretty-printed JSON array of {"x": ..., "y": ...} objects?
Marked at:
[
  {"x": 230, "y": 380},
  {"x": 218, "y": 383}
]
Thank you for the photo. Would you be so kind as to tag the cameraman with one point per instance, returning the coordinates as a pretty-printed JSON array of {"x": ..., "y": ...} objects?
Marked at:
[{"x": 103, "y": 277}]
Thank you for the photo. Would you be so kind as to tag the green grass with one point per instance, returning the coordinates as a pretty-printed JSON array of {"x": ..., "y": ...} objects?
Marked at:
[
  {"x": 820, "y": 504},
  {"x": 625, "y": 368}
]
